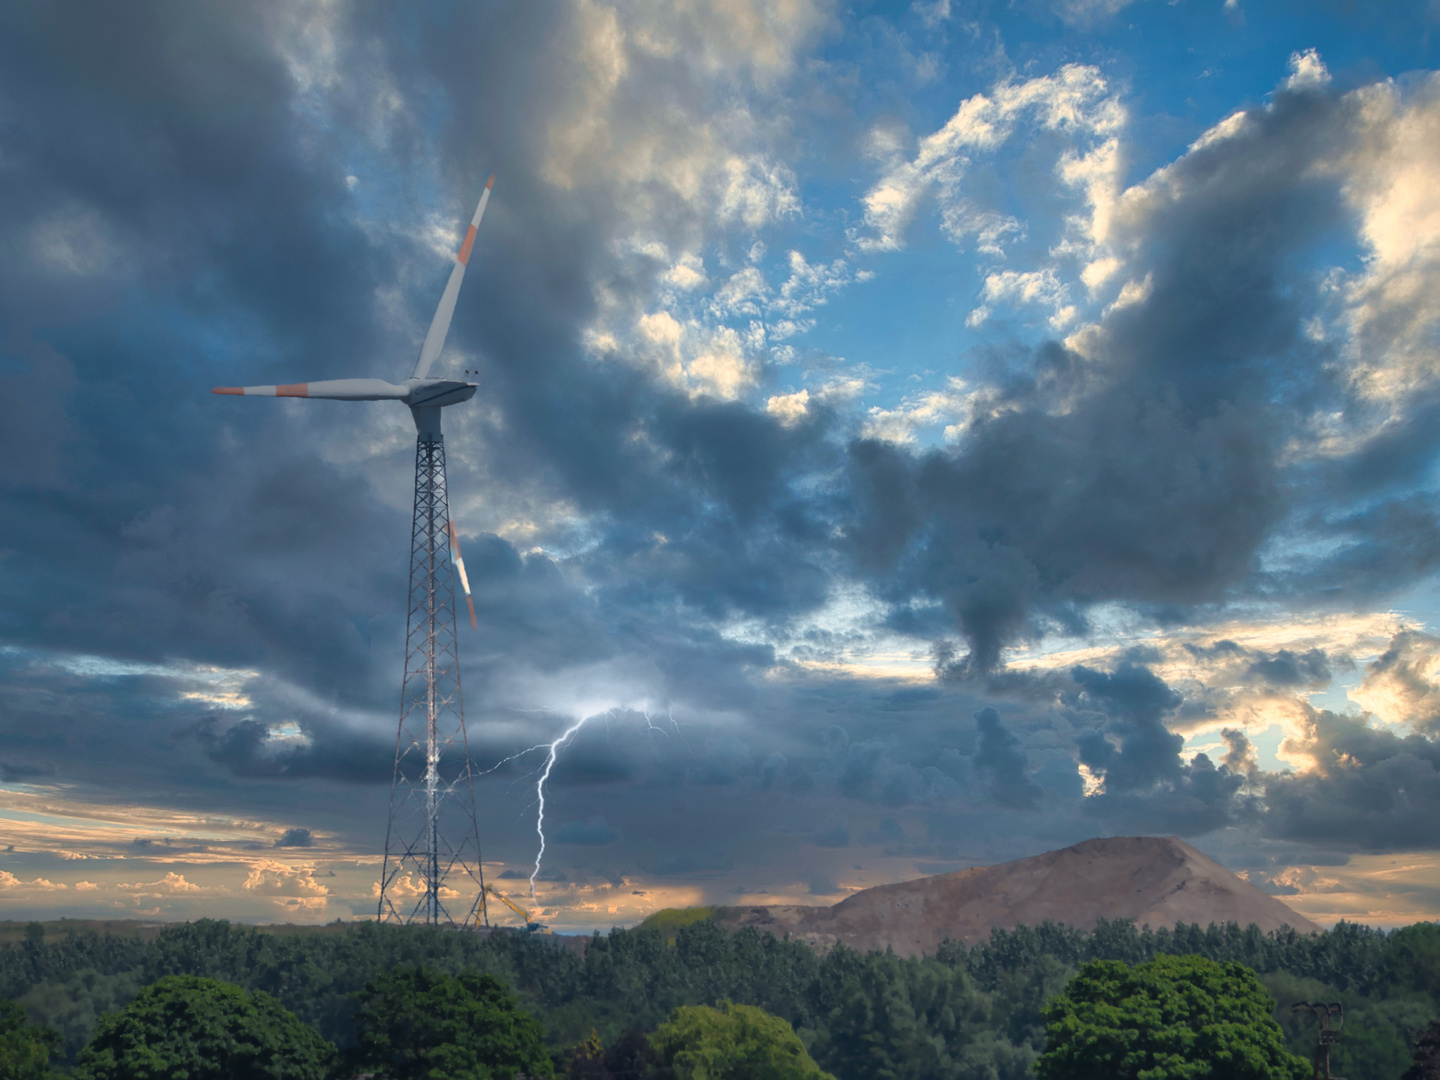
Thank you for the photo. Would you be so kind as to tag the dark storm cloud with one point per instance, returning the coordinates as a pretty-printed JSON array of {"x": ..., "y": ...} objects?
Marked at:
[
  {"x": 177, "y": 174},
  {"x": 297, "y": 837},
  {"x": 1148, "y": 785},
  {"x": 590, "y": 833},
  {"x": 1386, "y": 545},
  {"x": 1288, "y": 669},
  {"x": 1282, "y": 669},
  {"x": 526, "y": 599},
  {"x": 950, "y": 754},
  {"x": 1240, "y": 757},
  {"x": 1136, "y": 702},
  {"x": 1371, "y": 789},
  {"x": 867, "y": 769},
  {"x": 13, "y": 771},
  {"x": 820, "y": 885},
  {"x": 691, "y": 862},
  {"x": 177, "y": 164},
  {"x": 34, "y": 382},
  {"x": 1003, "y": 761},
  {"x": 593, "y": 757},
  {"x": 888, "y": 832},
  {"x": 836, "y": 836},
  {"x": 1161, "y": 478},
  {"x": 250, "y": 749},
  {"x": 76, "y": 726}
]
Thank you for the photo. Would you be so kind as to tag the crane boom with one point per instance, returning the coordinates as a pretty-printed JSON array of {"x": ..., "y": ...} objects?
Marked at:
[{"x": 531, "y": 926}]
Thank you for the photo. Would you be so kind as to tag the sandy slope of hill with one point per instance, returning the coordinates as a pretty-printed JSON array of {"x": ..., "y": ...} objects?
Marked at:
[{"x": 1153, "y": 880}]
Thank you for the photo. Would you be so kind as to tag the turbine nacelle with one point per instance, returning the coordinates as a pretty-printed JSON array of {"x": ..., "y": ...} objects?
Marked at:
[
  {"x": 425, "y": 393},
  {"x": 425, "y": 396}
]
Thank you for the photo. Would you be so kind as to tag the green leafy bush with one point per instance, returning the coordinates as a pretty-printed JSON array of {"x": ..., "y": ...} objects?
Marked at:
[
  {"x": 732, "y": 1042},
  {"x": 1174, "y": 1018},
  {"x": 201, "y": 1029},
  {"x": 25, "y": 1048},
  {"x": 421, "y": 1024}
]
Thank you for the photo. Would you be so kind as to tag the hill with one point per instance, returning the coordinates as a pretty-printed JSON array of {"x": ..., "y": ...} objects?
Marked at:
[{"x": 1155, "y": 881}]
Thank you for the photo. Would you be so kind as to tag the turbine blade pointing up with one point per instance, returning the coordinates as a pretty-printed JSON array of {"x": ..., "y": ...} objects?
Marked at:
[
  {"x": 460, "y": 566},
  {"x": 334, "y": 389},
  {"x": 440, "y": 325}
]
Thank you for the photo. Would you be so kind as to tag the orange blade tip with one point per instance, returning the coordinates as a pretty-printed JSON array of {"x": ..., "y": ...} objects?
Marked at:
[
  {"x": 228, "y": 390},
  {"x": 490, "y": 183},
  {"x": 471, "y": 605},
  {"x": 464, "y": 257}
]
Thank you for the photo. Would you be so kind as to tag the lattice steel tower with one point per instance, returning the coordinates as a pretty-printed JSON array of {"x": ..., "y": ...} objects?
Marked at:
[{"x": 431, "y": 872}]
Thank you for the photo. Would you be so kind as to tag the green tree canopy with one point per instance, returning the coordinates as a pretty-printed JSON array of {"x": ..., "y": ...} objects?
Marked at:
[
  {"x": 1412, "y": 960},
  {"x": 183, "y": 1026},
  {"x": 418, "y": 1023},
  {"x": 25, "y": 1048},
  {"x": 630, "y": 1057},
  {"x": 733, "y": 1042},
  {"x": 1174, "y": 1018}
]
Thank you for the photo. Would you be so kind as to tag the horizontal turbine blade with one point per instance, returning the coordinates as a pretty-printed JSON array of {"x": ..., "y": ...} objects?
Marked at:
[
  {"x": 332, "y": 389},
  {"x": 440, "y": 325}
]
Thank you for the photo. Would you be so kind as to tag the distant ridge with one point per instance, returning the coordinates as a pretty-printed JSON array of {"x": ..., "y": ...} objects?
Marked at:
[{"x": 1157, "y": 881}]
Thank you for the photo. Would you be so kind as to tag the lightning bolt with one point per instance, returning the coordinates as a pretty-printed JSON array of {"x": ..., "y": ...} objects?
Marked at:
[
  {"x": 669, "y": 715},
  {"x": 512, "y": 757},
  {"x": 540, "y": 798},
  {"x": 553, "y": 755}
]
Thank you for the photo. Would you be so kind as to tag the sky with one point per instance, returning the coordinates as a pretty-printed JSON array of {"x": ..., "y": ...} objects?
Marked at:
[{"x": 908, "y": 437}]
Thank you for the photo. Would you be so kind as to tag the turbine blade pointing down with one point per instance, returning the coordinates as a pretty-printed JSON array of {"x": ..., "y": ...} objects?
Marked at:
[
  {"x": 440, "y": 325},
  {"x": 460, "y": 566}
]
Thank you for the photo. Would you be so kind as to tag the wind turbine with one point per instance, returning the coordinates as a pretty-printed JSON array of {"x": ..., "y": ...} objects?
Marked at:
[{"x": 432, "y": 834}]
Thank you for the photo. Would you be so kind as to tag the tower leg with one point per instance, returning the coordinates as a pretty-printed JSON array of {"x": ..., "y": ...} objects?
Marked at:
[{"x": 431, "y": 871}]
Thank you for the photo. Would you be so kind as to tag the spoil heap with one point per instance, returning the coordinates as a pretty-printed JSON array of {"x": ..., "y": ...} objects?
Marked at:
[{"x": 1157, "y": 881}]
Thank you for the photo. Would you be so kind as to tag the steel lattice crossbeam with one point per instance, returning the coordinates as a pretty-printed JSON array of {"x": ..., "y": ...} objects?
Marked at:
[{"x": 431, "y": 873}]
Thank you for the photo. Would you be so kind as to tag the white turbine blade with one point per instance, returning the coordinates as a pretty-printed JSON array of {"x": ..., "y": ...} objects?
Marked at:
[
  {"x": 440, "y": 325},
  {"x": 334, "y": 389},
  {"x": 357, "y": 390},
  {"x": 460, "y": 566}
]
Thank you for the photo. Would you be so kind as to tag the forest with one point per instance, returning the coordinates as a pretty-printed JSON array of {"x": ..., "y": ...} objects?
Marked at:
[{"x": 962, "y": 1014}]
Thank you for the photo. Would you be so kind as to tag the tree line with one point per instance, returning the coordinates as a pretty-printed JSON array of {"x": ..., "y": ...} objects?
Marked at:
[{"x": 977, "y": 1012}]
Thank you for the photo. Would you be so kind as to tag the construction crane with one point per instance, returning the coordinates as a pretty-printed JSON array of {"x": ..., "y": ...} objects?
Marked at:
[{"x": 531, "y": 926}]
